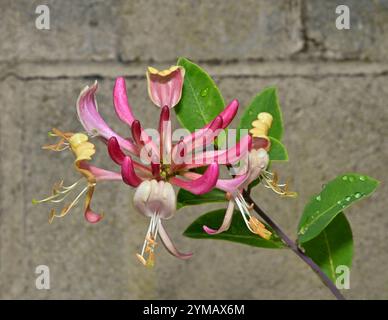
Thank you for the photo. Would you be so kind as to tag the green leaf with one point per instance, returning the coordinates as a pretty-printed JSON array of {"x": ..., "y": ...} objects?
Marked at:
[
  {"x": 337, "y": 195},
  {"x": 332, "y": 247},
  {"x": 278, "y": 151},
  {"x": 266, "y": 101},
  {"x": 238, "y": 231},
  {"x": 201, "y": 100},
  {"x": 186, "y": 198}
]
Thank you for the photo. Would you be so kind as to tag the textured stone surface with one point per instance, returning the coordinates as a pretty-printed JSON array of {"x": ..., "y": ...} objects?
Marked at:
[
  {"x": 366, "y": 39},
  {"x": 79, "y": 30},
  {"x": 335, "y": 117},
  {"x": 210, "y": 30},
  {"x": 97, "y": 261}
]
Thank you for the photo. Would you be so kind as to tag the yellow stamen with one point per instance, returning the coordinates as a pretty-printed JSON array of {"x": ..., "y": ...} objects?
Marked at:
[
  {"x": 149, "y": 249},
  {"x": 259, "y": 228},
  {"x": 271, "y": 180}
]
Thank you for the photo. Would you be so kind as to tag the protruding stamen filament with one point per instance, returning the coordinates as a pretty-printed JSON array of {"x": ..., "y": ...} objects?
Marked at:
[
  {"x": 271, "y": 180},
  {"x": 252, "y": 223},
  {"x": 59, "y": 194},
  {"x": 147, "y": 256}
]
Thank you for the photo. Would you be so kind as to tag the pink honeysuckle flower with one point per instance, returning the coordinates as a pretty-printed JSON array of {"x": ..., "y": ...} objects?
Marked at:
[
  {"x": 156, "y": 200},
  {"x": 142, "y": 159},
  {"x": 83, "y": 150},
  {"x": 257, "y": 161},
  {"x": 165, "y": 87}
]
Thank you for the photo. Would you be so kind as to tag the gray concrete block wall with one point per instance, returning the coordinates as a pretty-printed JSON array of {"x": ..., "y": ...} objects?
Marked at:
[{"x": 333, "y": 91}]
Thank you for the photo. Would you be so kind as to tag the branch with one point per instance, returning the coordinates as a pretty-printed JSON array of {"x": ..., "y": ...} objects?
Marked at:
[{"x": 295, "y": 248}]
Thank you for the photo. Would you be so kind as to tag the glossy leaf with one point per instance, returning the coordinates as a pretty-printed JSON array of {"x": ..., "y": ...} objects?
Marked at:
[
  {"x": 238, "y": 231},
  {"x": 186, "y": 198},
  {"x": 266, "y": 101},
  {"x": 333, "y": 247},
  {"x": 201, "y": 100},
  {"x": 278, "y": 151},
  {"x": 336, "y": 196}
]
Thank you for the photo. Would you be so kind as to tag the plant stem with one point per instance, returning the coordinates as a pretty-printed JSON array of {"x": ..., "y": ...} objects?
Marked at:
[{"x": 295, "y": 248}]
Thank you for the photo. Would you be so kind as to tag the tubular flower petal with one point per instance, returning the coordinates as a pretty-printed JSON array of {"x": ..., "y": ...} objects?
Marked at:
[
  {"x": 203, "y": 184},
  {"x": 92, "y": 121},
  {"x": 156, "y": 200},
  {"x": 83, "y": 150},
  {"x": 225, "y": 224},
  {"x": 142, "y": 139},
  {"x": 120, "y": 101},
  {"x": 115, "y": 151},
  {"x": 202, "y": 137},
  {"x": 165, "y": 87},
  {"x": 128, "y": 172},
  {"x": 165, "y": 136},
  {"x": 227, "y": 156},
  {"x": 228, "y": 113},
  {"x": 169, "y": 245}
]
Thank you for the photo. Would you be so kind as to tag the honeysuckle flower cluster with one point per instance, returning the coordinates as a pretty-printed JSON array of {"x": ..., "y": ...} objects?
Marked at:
[{"x": 154, "y": 164}]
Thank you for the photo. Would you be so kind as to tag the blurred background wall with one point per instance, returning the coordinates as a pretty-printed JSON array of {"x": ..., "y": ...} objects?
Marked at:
[{"x": 333, "y": 88}]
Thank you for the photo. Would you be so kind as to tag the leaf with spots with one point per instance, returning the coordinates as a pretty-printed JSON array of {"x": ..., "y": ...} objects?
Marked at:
[
  {"x": 336, "y": 196},
  {"x": 201, "y": 100}
]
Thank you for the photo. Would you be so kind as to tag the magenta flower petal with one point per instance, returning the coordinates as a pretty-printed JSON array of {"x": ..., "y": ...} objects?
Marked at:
[
  {"x": 155, "y": 168},
  {"x": 165, "y": 87},
  {"x": 227, "y": 185},
  {"x": 115, "y": 151},
  {"x": 128, "y": 173},
  {"x": 136, "y": 133},
  {"x": 92, "y": 121},
  {"x": 142, "y": 139},
  {"x": 228, "y": 113},
  {"x": 203, "y": 184},
  {"x": 227, "y": 156},
  {"x": 120, "y": 101},
  {"x": 167, "y": 242},
  {"x": 182, "y": 151},
  {"x": 226, "y": 222},
  {"x": 231, "y": 185}
]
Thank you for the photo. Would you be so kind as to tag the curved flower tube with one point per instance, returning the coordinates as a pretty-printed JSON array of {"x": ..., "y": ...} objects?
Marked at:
[
  {"x": 258, "y": 160},
  {"x": 92, "y": 121},
  {"x": 203, "y": 184},
  {"x": 120, "y": 102},
  {"x": 83, "y": 151}
]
